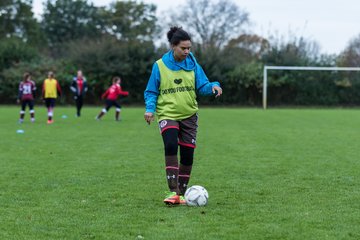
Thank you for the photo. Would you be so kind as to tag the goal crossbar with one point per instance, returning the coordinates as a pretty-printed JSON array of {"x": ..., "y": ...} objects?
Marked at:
[{"x": 301, "y": 68}]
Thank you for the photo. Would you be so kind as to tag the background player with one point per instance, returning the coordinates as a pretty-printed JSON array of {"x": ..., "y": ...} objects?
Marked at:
[
  {"x": 26, "y": 97},
  {"x": 51, "y": 89},
  {"x": 79, "y": 88},
  {"x": 111, "y": 96}
]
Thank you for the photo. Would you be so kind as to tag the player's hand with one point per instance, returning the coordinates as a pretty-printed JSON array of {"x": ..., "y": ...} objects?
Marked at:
[
  {"x": 149, "y": 117},
  {"x": 17, "y": 101},
  {"x": 217, "y": 90}
]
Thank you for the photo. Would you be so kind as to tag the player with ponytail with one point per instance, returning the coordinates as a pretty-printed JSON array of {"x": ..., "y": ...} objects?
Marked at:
[{"x": 171, "y": 92}]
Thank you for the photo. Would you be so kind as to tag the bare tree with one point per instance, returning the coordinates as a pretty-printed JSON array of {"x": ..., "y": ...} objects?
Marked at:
[
  {"x": 350, "y": 57},
  {"x": 251, "y": 44},
  {"x": 211, "y": 23}
]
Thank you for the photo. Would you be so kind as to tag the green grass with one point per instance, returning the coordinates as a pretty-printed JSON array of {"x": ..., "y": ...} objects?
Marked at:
[{"x": 275, "y": 174}]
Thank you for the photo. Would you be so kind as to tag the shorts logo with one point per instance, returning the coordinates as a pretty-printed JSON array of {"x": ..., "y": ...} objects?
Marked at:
[
  {"x": 193, "y": 141},
  {"x": 163, "y": 123}
]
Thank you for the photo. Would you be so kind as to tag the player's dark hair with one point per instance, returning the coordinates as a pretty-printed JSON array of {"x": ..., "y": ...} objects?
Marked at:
[
  {"x": 115, "y": 79},
  {"x": 51, "y": 74},
  {"x": 176, "y": 34},
  {"x": 26, "y": 76}
]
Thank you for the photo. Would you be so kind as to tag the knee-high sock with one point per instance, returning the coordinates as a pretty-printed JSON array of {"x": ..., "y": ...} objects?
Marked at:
[
  {"x": 186, "y": 161},
  {"x": 170, "y": 138},
  {"x": 22, "y": 114},
  {"x": 117, "y": 114},
  {"x": 50, "y": 113},
  {"x": 172, "y": 172},
  {"x": 79, "y": 104},
  {"x": 102, "y": 113},
  {"x": 32, "y": 113},
  {"x": 184, "y": 177}
]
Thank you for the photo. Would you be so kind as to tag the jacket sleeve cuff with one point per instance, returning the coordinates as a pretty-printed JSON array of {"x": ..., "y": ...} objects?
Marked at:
[{"x": 150, "y": 110}]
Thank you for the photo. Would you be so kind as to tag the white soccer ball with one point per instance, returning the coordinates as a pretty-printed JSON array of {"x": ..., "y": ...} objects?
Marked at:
[{"x": 196, "y": 196}]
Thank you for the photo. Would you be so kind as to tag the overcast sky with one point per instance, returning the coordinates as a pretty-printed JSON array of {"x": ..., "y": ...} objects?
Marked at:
[{"x": 331, "y": 23}]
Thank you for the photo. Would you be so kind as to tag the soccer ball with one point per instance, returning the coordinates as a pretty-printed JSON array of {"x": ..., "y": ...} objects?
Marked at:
[{"x": 196, "y": 196}]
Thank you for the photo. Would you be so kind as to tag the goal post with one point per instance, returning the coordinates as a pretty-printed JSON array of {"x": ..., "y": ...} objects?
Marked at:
[{"x": 297, "y": 68}]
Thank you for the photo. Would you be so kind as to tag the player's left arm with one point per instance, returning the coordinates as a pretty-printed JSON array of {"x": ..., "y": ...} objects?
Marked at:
[
  {"x": 20, "y": 93},
  {"x": 43, "y": 90},
  {"x": 121, "y": 92},
  {"x": 33, "y": 89},
  {"x": 58, "y": 88},
  {"x": 204, "y": 86},
  {"x": 85, "y": 86}
]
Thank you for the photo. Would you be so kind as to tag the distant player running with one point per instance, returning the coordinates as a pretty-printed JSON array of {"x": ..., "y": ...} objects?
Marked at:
[
  {"x": 175, "y": 81},
  {"x": 111, "y": 95},
  {"x": 50, "y": 90},
  {"x": 26, "y": 97}
]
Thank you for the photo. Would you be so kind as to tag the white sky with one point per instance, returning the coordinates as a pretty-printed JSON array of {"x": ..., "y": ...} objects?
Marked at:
[{"x": 331, "y": 23}]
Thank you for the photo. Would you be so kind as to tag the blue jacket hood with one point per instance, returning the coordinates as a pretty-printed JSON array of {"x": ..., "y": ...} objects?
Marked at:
[{"x": 189, "y": 64}]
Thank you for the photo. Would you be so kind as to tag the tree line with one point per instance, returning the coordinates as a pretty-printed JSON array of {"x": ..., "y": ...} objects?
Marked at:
[{"x": 126, "y": 37}]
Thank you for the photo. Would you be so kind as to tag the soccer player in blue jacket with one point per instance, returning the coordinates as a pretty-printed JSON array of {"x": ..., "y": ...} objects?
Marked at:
[{"x": 171, "y": 92}]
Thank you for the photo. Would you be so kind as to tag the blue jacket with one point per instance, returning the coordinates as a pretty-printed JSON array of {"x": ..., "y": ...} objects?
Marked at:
[{"x": 202, "y": 84}]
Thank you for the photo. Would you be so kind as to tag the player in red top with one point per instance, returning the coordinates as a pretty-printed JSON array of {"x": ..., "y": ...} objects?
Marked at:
[
  {"x": 111, "y": 96},
  {"x": 26, "y": 96}
]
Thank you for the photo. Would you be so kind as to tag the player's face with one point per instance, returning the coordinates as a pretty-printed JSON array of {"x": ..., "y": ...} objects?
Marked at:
[
  {"x": 182, "y": 50},
  {"x": 79, "y": 74}
]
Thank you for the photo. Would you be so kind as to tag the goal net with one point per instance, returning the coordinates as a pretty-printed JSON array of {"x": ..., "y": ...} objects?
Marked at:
[{"x": 267, "y": 69}]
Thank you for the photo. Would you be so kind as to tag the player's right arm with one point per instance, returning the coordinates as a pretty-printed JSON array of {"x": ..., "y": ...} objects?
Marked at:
[
  {"x": 20, "y": 92},
  {"x": 149, "y": 117},
  {"x": 33, "y": 89},
  {"x": 43, "y": 90},
  {"x": 151, "y": 94},
  {"x": 58, "y": 88},
  {"x": 73, "y": 86},
  {"x": 121, "y": 92},
  {"x": 105, "y": 94}
]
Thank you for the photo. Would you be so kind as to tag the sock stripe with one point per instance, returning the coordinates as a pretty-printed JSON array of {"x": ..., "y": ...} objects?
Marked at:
[
  {"x": 170, "y": 167},
  {"x": 184, "y": 176}
]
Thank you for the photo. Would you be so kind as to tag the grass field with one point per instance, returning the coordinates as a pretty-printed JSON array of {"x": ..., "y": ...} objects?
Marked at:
[{"x": 275, "y": 174}]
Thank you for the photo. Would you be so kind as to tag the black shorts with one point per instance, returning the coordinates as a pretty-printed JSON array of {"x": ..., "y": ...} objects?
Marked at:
[
  {"x": 110, "y": 103},
  {"x": 187, "y": 129},
  {"x": 30, "y": 103},
  {"x": 50, "y": 102}
]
